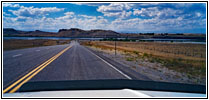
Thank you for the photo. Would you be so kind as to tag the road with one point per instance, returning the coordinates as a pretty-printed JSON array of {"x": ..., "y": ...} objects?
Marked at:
[{"x": 61, "y": 62}]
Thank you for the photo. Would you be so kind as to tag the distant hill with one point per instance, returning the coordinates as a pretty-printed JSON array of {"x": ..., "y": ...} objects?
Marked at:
[
  {"x": 98, "y": 33},
  {"x": 13, "y": 32},
  {"x": 75, "y": 32},
  {"x": 38, "y": 32},
  {"x": 10, "y": 31}
]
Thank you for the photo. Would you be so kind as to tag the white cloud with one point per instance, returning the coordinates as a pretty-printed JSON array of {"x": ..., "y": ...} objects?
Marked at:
[
  {"x": 114, "y": 7},
  {"x": 91, "y": 4},
  {"x": 125, "y": 25},
  {"x": 69, "y": 20},
  {"x": 147, "y": 12},
  {"x": 198, "y": 14},
  {"x": 5, "y": 14},
  {"x": 116, "y": 10},
  {"x": 147, "y": 4},
  {"x": 126, "y": 14},
  {"x": 124, "y": 10},
  {"x": 34, "y": 12},
  {"x": 116, "y": 14},
  {"x": 10, "y": 5},
  {"x": 94, "y": 22},
  {"x": 156, "y": 12},
  {"x": 122, "y": 14},
  {"x": 137, "y": 12},
  {"x": 88, "y": 17},
  {"x": 157, "y": 19},
  {"x": 68, "y": 15}
]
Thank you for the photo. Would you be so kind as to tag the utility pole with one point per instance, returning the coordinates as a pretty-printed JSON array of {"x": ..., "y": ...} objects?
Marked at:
[{"x": 115, "y": 45}]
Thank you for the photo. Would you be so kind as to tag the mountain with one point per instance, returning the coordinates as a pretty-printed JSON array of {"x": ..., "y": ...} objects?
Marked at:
[
  {"x": 10, "y": 31},
  {"x": 98, "y": 33},
  {"x": 13, "y": 32},
  {"x": 75, "y": 32},
  {"x": 38, "y": 32}
]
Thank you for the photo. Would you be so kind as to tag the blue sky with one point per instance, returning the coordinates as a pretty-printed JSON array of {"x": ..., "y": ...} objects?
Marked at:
[{"x": 120, "y": 17}]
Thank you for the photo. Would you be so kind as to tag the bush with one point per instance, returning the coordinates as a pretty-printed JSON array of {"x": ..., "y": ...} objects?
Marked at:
[
  {"x": 136, "y": 52},
  {"x": 129, "y": 59},
  {"x": 145, "y": 55}
]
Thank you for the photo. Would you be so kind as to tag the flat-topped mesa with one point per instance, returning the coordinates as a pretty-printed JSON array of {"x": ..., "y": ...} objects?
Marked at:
[
  {"x": 72, "y": 29},
  {"x": 38, "y": 31},
  {"x": 76, "y": 32},
  {"x": 99, "y": 30}
]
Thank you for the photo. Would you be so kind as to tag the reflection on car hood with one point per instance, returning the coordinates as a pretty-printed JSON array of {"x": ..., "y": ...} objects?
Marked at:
[{"x": 104, "y": 93}]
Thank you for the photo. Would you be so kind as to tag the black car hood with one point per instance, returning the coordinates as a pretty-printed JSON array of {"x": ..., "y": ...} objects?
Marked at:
[{"x": 110, "y": 85}]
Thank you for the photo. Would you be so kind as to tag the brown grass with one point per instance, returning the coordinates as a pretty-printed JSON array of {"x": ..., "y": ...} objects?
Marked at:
[
  {"x": 188, "y": 58},
  {"x": 19, "y": 44},
  {"x": 171, "y": 50}
]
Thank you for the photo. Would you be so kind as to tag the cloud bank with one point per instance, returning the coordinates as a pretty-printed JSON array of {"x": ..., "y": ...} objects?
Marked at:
[{"x": 121, "y": 17}]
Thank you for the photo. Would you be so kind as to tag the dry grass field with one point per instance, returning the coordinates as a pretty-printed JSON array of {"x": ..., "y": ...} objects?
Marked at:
[
  {"x": 19, "y": 44},
  {"x": 181, "y": 57}
]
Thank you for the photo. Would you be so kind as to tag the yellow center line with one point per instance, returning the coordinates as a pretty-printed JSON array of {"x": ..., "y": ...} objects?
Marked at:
[
  {"x": 38, "y": 69},
  {"x": 15, "y": 83}
]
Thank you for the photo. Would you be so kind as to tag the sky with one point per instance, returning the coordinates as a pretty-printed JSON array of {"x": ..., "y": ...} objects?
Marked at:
[{"x": 119, "y": 17}]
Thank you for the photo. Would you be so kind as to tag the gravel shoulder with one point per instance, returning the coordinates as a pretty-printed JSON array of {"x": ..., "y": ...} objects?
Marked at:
[{"x": 153, "y": 70}]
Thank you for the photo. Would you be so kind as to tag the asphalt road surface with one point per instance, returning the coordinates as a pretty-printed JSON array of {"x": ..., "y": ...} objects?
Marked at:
[{"x": 61, "y": 62}]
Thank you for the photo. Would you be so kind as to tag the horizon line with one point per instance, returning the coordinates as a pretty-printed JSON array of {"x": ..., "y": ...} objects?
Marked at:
[{"x": 108, "y": 30}]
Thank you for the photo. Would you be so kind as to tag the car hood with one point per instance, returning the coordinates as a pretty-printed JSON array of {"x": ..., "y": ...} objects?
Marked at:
[{"x": 123, "y": 93}]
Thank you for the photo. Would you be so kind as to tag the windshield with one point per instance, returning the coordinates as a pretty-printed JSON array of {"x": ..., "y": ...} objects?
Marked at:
[{"x": 89, "y": 42}]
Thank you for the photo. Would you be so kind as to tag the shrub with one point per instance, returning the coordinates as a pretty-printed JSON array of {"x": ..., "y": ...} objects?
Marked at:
[
  {"x": 145, "y": 55},
  {"x": 129, "y": 59},
  {"x": 136, "y": 52}
]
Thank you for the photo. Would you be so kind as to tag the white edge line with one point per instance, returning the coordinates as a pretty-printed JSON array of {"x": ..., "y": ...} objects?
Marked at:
[
  {"x": 111, "y": 66},
  {"x": 16, "y": 55}
]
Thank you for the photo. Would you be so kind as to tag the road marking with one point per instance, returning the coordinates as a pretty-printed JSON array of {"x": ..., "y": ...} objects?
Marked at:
[
  {"x": 31, "y": 74},
  {"x": 15, "y": 83},
  {"x": 111, "y": 66},
  {"x": 17, "y": 55},
  {"x": 38, "y": 50}
]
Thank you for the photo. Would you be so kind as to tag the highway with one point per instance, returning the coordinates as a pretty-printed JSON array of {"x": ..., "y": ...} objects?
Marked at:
[{"x": 61, "y": 62}]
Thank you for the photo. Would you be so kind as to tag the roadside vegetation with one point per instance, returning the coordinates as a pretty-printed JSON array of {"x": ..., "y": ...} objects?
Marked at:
[
  {"x": 20, "y": 44},
  {"x": 181, "y": 57}
]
